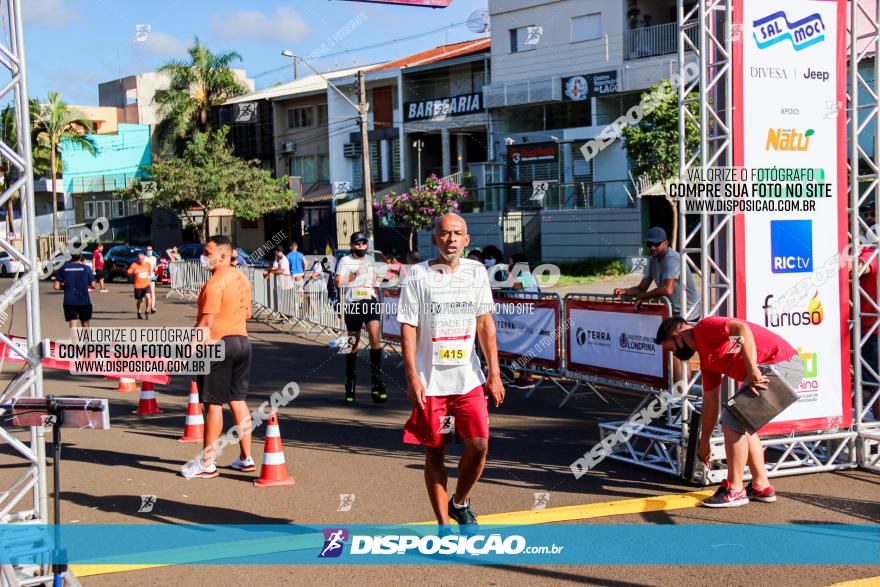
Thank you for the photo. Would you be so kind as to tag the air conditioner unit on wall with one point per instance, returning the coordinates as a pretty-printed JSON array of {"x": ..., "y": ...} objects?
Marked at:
[
  {"x": 351, "y": 150},
  {"x": 288, "y": 147}
]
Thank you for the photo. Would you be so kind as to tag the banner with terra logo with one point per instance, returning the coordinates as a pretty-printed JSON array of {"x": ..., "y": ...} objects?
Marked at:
[
  {"x": 611, "y": 339},
  {"x": 789, "y": 97}
]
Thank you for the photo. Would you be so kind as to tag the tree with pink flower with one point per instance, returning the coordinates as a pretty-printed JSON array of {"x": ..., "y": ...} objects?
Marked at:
[{"x": 421, "y": 205}]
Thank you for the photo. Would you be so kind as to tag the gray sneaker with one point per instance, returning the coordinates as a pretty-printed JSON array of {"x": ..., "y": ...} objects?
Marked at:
[{"x": 195, "y": 469}]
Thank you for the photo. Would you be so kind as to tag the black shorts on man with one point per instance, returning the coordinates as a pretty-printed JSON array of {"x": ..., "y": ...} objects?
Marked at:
[
  {"x": 141, "y": 292},
  {"x": 227, "y": 380},
  {"x": 82, "y": 313},
  {"x": 359, "y": 312}
]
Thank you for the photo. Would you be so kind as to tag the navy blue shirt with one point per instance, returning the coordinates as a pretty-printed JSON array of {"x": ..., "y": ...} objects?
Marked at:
[{"x": 75, "y": 279}]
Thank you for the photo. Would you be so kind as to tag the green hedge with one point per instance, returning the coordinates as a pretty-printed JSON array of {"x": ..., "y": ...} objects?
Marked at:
[{"x": 593, "y": 266}]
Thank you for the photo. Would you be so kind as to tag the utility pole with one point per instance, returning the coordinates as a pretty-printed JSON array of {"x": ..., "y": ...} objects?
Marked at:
[{"x": 365, "y": 156}]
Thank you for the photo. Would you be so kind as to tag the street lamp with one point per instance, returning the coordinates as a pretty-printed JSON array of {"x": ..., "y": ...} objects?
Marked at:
[
  {"x": 362, "y": 108},
  {"x": 287, "y": 53},
  {"x": 419, "y": 145}
]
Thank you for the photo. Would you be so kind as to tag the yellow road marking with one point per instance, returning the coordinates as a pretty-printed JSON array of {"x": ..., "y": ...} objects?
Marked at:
[
  {"x": 557, "y": 514},
  {"x": 597, "y": 510},
  {"x": 867, "y": 582}
]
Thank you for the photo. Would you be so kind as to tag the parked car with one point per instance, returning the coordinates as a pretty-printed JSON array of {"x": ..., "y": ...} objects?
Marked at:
[
  {"x": 118, "y": 259},
  {"x": 192, "y": 252},
  {"x": 8, "y": 265}
]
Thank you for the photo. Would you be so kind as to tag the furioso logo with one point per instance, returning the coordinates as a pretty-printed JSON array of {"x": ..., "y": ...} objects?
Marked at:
[
  {"x": 334, "y": 542},
  {"x": 812, "y": 316},
  {"x": 775, "y": 28}
]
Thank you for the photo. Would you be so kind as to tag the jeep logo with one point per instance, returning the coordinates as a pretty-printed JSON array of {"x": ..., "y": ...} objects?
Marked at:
[{"x": 819, "y": 75}]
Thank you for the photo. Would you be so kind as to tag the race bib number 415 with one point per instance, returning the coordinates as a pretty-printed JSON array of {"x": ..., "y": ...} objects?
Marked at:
[{"x": 452, "y": 352}]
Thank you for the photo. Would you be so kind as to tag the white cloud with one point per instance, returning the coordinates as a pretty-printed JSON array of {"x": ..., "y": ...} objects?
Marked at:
[
  {"x": 284, "y": 26},
  {"x": 162, "y": 44},
  {"x": 49, "y": 13}
]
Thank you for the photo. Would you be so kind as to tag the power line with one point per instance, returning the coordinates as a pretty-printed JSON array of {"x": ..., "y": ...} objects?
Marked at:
[{"x": 366, "y": 47}]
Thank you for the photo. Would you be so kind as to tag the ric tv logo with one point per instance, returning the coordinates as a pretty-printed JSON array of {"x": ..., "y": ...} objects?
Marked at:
[
  {"x": 776, "y": 28},
  {"x": 812, "y": 316},
  {"x": 791, "y": 246},
  {"x": 788, "y": 139}
]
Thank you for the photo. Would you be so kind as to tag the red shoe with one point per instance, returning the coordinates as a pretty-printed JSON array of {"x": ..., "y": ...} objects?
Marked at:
[
  {"x": 767, "y": 495},
  {"x": 726, "y": 497}
]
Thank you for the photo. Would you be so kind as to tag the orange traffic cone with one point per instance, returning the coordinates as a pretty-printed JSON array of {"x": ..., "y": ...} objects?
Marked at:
[
  {"x": 147, "y": 403},
  {"x": 194, "y": 431},
  {"x": 126, "y": 384},
  {"x": 274, "y": 469}
]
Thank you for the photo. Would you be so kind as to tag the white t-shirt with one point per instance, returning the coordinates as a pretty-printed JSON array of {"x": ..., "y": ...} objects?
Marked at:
[
  {"x": 283, "y": 264},
  {"x": 362, "y": 288},
  {"x": 152, "y": 260},
  {"x": 315, "y": 284},
  {"x": 444, "y": 308}
]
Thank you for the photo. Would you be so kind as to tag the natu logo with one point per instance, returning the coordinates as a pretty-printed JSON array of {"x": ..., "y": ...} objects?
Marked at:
[
  {"x": 788, "y": 139},
  {"x": 775, "y": 28}
]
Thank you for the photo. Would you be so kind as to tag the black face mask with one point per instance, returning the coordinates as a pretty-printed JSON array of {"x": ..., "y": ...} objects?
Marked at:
[
  {"x": 358, "y": 253},
  {"x": 684, "y": 353}
]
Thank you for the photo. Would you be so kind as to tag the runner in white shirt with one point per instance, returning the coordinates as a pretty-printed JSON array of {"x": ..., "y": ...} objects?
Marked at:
[
  {"x": 153, "y": 260},
  {"x": 444, "y": 304},
  {"x": 356, "y": 279}
]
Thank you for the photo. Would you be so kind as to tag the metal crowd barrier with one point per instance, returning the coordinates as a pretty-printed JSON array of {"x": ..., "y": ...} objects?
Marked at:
[
  {"x": 668, "y": 446},
  {"x": 187, "y": 279}
]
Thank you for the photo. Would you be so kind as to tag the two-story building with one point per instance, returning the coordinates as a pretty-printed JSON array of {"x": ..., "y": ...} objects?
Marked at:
[
  {"x": 561, "y": 72},
  {"x": 426, "y": 116}
]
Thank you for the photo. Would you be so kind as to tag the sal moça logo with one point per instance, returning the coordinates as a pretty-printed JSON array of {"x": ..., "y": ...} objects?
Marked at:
[{"x": 775, "y": 28}]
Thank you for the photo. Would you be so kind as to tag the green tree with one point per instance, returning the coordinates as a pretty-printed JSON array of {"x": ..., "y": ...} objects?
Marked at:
[
  {"x": 208, "y": 176},
  {"x": 652, "y": 144},
  {"x": 55, "y": 122},
  {"x": 197, "y": 85}
]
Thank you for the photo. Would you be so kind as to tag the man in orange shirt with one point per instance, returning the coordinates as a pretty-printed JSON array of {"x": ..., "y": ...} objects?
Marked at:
[
  {"x": 224, "y": 306},
  {"x": 142, "y": 271}
]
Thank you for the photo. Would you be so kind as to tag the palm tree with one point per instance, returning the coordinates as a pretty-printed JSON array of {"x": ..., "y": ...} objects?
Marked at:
[
  {"x": 9, "y": 136},
  {"x": 55, "y": 122},
  {"x": 9, "y": 172},
  {"x": 197, "y": 85}
]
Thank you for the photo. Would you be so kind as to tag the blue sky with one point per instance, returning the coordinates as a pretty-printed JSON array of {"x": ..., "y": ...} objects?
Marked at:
[{"x": 73, "y": 45}]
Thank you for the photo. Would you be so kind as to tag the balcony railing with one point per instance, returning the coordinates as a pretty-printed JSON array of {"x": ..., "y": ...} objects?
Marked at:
[
  {"x": 559, "y": 196},
  {"x": 101, "y": 183},
  {"x": 651, "y": 41}
]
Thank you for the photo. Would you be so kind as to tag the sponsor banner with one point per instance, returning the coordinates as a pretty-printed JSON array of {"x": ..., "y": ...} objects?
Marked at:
[
  {"x": 583, "y": 87},
  {"x": 390, "y": 325},
  {"x": 533, "y": 153},
  {"x": 441, "y": 107},
  {"x": 570, "y": 544},
  {"x": 611, "y": 339},
  {"x": 528, "y": 330},
  {"x": 789, "y": 79}
]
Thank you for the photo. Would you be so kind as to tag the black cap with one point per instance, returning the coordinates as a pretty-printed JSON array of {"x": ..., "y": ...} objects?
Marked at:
[{"x": 358, "y": 236}]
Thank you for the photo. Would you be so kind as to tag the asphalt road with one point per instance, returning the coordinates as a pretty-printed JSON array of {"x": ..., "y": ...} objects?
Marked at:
[{"x": 334, "y": 449}]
